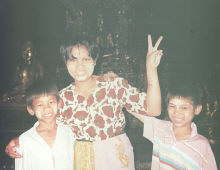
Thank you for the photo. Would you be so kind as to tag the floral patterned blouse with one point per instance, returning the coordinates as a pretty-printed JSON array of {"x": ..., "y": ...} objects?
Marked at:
[{"x": 100, "y": 116}]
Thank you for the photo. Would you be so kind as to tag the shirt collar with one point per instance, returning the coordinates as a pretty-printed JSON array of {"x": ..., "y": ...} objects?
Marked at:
[{"x": 170, "y": 137}]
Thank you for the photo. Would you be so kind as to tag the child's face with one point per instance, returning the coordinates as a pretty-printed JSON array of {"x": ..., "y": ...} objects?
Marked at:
[
  {"x": 81, "y": 65},
  {"x": 181, "y": 111},
  {"x": 44, "y": 107}
]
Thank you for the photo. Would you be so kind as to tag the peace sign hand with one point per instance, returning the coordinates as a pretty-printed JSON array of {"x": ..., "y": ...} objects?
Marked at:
[{"x": 153, "y": 55}]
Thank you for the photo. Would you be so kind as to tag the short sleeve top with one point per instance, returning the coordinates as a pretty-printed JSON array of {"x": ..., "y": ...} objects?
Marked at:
[
  {"x": 168, "y": 153},
  {"x": 100, "y": 116}
]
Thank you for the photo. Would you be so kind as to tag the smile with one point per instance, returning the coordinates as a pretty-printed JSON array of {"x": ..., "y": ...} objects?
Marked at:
[
  {"x": 178, "y": 120},
  {"x": 81, "y": 73},
  {"x": 48, "y": 115}
]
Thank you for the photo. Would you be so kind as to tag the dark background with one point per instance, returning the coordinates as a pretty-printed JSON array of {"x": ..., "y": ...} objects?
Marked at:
[{"x": 191, "y": 50}]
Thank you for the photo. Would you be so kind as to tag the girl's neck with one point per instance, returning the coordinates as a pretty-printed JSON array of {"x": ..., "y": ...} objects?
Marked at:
[
  {"x": 85, "y": 84},
  {"x": 85, "y": 88}
]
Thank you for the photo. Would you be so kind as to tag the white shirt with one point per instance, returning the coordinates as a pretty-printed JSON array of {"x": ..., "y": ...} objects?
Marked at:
[{"x": 38, "y": 155}]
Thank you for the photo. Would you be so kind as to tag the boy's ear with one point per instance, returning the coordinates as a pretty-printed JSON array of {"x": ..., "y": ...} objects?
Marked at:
[
  {"x": 198, "y": 109},
  {"x": 30, "y": 110}
]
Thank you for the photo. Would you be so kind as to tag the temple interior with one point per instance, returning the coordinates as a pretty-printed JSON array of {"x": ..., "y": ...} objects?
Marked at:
[{"x": 32, "y": 32}]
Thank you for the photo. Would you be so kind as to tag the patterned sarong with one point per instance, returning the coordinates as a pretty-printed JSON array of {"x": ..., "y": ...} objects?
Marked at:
[
  {"x": 83, "y": 156},
  {"x": 115, "y": 153}
]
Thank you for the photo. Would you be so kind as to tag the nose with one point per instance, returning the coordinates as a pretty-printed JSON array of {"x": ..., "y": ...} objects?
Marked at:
[
  {"x": 80, "y": 63},
  {"x": 177, "y": 111},
  {"x": 47, "y": 108}
]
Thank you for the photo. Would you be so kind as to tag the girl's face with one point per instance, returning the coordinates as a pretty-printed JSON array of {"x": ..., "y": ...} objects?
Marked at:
[{"x": 80, "y": 66}]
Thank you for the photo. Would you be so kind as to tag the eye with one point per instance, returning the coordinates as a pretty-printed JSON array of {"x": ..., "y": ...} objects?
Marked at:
[
  {"x": 39, "y": 105},
  {"x": 87, "y": 59},
  {"x": 171, "y": 106},
  {"x": 184, "y": 107},
  {"x": 72, "y": 58},
  {"x": 52, "y": 102}
]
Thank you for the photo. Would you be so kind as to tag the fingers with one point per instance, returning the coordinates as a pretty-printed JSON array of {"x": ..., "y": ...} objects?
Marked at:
[
  {"x": 11, "y": 148},
  {"x": 15, "y": 155},
  {"x": 6, "y": 151},
  {"x": 110, "y": 75},
  {"x": 158, "y": 42},
  {"x": 149, "y": 41},
  {"x": 150, "y": 46},
  {"x": 12, "y": 152},
  {"x": 157, "y": 54}
]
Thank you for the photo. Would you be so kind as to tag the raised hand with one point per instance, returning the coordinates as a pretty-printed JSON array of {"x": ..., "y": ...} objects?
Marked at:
[{"x": 153, "y": 55}]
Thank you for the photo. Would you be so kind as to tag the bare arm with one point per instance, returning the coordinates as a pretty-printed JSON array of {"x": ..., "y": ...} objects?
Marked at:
[
  {"x": 10, "y": 149},
  {"x": 153, "y": 96}
]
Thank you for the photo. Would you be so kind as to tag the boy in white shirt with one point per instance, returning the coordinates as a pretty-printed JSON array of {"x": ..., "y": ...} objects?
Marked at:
[{"x": 47, "y": 145}]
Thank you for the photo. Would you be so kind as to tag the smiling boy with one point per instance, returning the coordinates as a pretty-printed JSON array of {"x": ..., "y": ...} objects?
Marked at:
[
  {"x": 176, "y": 143},
  {"x": 47, "y": 145}
]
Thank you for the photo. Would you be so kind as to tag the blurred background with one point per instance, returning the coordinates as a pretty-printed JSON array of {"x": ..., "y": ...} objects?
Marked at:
[{"x": 32, "y": 31}]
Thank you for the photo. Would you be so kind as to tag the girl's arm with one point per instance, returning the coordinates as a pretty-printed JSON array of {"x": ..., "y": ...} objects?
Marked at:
[{"x": 153, "y": 97}]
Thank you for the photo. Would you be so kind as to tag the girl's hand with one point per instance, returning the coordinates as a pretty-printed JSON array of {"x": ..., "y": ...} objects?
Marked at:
[
  {"x": 153, "y": 55},
  {"x": 110, "y": 75},
  {"x": 11, "y": 148}
]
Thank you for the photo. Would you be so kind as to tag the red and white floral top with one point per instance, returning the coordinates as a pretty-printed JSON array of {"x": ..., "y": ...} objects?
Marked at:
[{"x": 100, "y": 116}]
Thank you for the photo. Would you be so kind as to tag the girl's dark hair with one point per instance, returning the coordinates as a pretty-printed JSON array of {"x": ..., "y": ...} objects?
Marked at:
[
  {"x": 92, "y": 47},
  {"x": 186, "y": 90},
  {"x": 40, "y": 87}
]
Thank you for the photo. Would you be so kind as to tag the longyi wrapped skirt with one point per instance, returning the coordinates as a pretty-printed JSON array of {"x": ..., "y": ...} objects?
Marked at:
[{"x": 115, "y": 153}]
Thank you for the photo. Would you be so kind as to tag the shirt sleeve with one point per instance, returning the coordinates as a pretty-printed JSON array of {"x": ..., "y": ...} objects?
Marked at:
[
  {"x": 19, "y": 161},
  {"x": 71, "y": 133},
  {"x": 133, "y": 100},
  {"x": 18, "y": 164},
  {"x": 210, "y": 162},
  {"x": 150, "y": 124},
  {"x": 60, "y": 117}
]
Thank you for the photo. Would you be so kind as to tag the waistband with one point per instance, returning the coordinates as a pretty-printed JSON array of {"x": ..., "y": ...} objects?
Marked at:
[{"x": 120, "y": 133}]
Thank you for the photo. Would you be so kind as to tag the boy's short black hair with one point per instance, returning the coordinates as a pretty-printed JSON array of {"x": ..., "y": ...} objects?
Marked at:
[
  {"x": 91, "y": 45},
  {"x": 40, "y": 87},
  {"x": 186, "y": 90}
]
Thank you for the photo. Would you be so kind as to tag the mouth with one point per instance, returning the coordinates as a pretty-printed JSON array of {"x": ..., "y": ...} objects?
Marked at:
[
  {"x": 81, "y": 73},
  {"x": 177, "y": 120},
  {"x": 48, "y": 115}
]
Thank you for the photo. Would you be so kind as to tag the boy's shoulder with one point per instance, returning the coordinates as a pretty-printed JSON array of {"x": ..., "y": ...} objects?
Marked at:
[
  {"x": 157, "y": 121},
  {"x": 196, "y": 137},
  {"x": 28, "y": 135},
  {"x": 200, "y": 141},
  {"x": 65, "y": 129},
  {"x": 161, "y": 125},
  {"x": 63, "y": 126}
]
